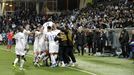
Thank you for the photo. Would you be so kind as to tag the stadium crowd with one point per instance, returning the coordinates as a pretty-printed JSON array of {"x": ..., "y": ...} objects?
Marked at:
[{"x": 92, "y": 28}]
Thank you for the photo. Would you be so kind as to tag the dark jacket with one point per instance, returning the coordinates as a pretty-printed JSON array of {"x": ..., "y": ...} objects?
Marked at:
[
  {"x": 124, "y": 37},
  {"x": 80, "y": 38},
  {"x": 62, "y": 39},
  {"x": 90, "y": 38},
  {"x": 70, "y": 37}
]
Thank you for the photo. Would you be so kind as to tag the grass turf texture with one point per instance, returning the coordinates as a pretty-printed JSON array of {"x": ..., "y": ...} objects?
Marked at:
[
  {"x": 106, "y": 65},
  {"x": 6, "y": 68},
  {"x": 97, "y": 65}
]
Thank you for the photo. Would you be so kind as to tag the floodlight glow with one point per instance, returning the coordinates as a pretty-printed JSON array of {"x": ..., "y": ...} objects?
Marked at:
[
  {"x": 10, "y": 5},
  {"x": 6, "y": 3}
]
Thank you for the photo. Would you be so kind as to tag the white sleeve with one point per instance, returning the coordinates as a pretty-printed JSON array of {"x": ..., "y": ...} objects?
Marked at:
[
  {"x": 16, "y": 36},
  {"x": 37, "y": 33},
  {"x": 26, "y": 32}
]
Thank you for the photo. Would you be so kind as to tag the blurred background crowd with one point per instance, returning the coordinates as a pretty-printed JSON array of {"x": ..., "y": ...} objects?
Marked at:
[{"x": 102, "y": 27}]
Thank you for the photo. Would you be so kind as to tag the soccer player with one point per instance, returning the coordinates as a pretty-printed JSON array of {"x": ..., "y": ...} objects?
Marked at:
[
  {"x": 56, "y": 31},
  {"x": 42, "y": 47},
  {"x": 43, "y": 40},
  {"x": 26, "y": 32},
  {"x": 39, "y": 48},
  {"x": 20, "y": 48},
  {"x": 36, "y": 45},
  {"x": 50, "y": 35},
  {"x": 45, "y": 25}
]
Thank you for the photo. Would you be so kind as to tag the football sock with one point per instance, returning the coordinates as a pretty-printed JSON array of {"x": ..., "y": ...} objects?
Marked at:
[
  {"x": 53, "y": 61},
  {"x": 15, "y": 61},
  {"x": 22, "y": 63},
  {"x": 55, "y": 56}
]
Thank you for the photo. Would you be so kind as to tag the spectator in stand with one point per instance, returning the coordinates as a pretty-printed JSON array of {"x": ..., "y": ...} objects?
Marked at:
[
  {"x": 103, "y": 39},
  {"x": 89, "y": 41},
  {"x": 4, "y": 37},
  {"x": 94, "y": 44},
  {"x": 124, "y": 39},
  {"x": 80, "y": 41},
  {"x": 10, "y": 39}
]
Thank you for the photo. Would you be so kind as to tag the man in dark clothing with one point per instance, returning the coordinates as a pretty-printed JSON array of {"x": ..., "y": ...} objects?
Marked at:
[
  {"x": 63, "y": 56},
  {"x": 80, "y": 41},
  {"x": 94, "y": 44},
  {"x": 124, "y": 39},
  {"x": 102, "y": 39},
  {"x": 70, "y": 44},
  {"x": 89, "y": 41}
]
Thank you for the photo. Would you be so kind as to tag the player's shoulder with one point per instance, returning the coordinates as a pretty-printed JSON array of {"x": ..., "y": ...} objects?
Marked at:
[
  {"x": 36, "y": 32},
  {"x": 46, "y": 33},
  {"x": 16, "y": 33},
  {"x": 24, "y": 30},
  {"x": 57, "y": 30},
  {"x": 19, "y": 34}
]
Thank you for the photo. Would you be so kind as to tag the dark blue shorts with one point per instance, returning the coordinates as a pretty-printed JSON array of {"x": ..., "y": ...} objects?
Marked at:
[{"x": 10, "y": 42}]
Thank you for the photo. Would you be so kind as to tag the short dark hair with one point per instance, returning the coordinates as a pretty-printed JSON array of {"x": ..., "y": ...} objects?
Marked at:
[
  {"x": 20, "y": 29},
  {"x": 49, "y": 27}
]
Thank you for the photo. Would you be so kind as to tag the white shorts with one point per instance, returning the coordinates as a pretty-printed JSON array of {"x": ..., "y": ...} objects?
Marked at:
[
  {"x": 20, "y": 52},
  {"x": 36, "y": 46},
  {"x": 43, "y": 46},
  {"x": 53, "y": 47},
  {"x": 56, "y": 47}
]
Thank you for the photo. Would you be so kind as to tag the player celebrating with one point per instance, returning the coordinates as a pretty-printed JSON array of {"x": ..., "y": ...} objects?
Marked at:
[
  {"x": 39, "y": 48},
  {"x": 45, "y": 25},
  {"x": 20, "y": 48},
  {"x": 26, "y": 34},
  {"x": 56, "y": 31},
  {"x": 50, "y": 35},
  {"x": 36, "y": 45}
]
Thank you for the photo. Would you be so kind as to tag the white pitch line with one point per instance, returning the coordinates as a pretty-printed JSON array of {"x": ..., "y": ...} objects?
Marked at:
[{"x": 84, "y": 71}]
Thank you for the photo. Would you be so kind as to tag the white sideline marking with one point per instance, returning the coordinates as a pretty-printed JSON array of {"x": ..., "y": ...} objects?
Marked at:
[{"x": 84, "y": 71}]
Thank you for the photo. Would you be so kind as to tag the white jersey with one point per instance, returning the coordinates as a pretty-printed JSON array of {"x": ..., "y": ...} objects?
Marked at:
[
  {"x": 51, "y": 36},
  {"x": 56, "y": 42},
  {"x": 56, "y": 31},
  {"x": 36, "y": 41},
  {"x": 51, "y": 41},
  {"x": 20, "y": 43},
  {"x": 42, "y": 42},
  {"x": 45, "y": 25}
]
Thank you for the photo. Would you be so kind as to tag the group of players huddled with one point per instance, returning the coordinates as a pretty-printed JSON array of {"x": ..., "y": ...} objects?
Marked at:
[{"x": 50, "y": 42}]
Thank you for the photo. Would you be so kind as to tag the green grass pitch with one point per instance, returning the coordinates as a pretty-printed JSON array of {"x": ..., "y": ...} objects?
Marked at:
[{"x": 87, "y": 65}]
